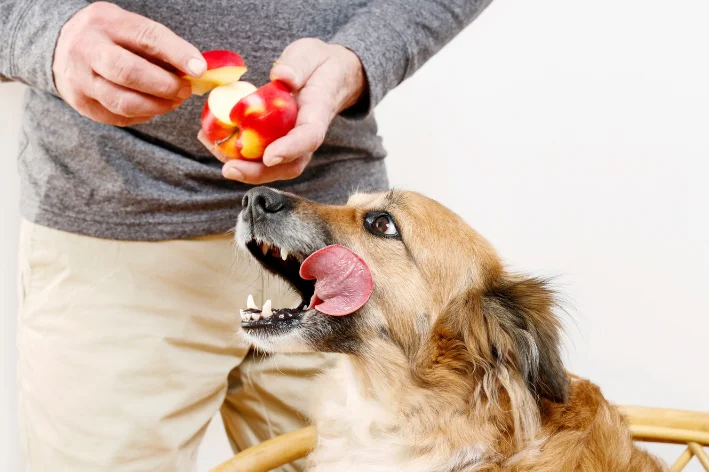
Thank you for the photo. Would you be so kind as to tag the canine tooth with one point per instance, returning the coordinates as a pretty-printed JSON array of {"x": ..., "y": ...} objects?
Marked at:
[
  {"x": 244, "y": 315},
  {"x": 281, "y": 316},
  {"x": 250, "y": 304},
  {"x": 284, "y": 254},
  {"x": 266, "y": 310},
  {"x": 264, "y": 248}
]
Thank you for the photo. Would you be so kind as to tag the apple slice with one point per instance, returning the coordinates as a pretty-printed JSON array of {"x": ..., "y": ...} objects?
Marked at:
[
  {"x": 241, "y": 120},
  {"x": 223, "y": 67},
  {"x": 216, "y": 120},
  {"x": 264, "y": 116}
]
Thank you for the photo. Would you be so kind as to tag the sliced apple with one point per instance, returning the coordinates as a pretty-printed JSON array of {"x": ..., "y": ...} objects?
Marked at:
[
  {"x": 223, "y": 67},
  {"x": 264, "y": 116},
  {"x": 216, "y": 122},
  {"x": 241, "y": 121}
]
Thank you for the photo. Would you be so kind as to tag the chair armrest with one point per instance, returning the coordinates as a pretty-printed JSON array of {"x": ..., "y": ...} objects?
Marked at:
[{"x": 272, "y": 453}]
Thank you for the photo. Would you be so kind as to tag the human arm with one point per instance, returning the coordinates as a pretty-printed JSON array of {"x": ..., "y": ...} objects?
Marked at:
[
  {"x": 111, "y": 65},
  {"x": 390, "y": 40}
]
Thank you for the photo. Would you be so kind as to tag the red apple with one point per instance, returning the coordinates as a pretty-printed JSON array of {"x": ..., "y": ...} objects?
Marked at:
[
  {"x": 223, "y": 67},
  {"x": 242, "y": 121}
]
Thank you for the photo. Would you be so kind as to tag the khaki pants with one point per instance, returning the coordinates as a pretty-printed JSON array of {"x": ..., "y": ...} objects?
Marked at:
[{"x": 127, "y": 349}]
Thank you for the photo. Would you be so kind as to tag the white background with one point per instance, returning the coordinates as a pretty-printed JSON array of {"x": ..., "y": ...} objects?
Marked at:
[{"x": 575, "y": 136}]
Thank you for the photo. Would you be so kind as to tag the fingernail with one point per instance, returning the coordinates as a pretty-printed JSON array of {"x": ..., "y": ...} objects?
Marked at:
[
  {"x": 197, "y": 66},
  {"x": 275, "y": 161},
  {"x": 185, "y": 92},
  {"x": 233, "y": 174},
  {"x": 286, "y": 73}
]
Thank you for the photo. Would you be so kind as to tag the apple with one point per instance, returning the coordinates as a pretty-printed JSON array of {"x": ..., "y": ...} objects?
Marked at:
[
  {"x": 223, "y": 67},
  {"x": 241, "y": 120}
]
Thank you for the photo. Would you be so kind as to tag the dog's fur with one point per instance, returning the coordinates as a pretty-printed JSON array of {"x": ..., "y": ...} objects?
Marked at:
[{"x": 452, "y": 365}]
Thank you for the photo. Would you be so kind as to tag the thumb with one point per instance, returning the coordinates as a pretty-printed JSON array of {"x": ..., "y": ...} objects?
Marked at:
[{"x": 298, "y": 62}]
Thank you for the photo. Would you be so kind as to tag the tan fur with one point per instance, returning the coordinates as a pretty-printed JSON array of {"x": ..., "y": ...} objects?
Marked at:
[{"x": 471, "y": 377}]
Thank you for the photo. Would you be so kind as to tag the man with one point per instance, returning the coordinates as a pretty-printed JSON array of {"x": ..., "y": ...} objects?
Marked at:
[{"x": 130, "y": 288}]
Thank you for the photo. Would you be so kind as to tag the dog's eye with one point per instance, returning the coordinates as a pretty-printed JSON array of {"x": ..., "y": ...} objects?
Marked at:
[{"x": 381, "y": 224}]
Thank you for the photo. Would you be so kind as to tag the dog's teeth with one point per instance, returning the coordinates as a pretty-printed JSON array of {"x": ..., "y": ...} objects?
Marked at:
[
  {"x": 250, "y": 304},
  {"x": 281, "y": 316},
  {"x": 244, "y": 315},
  {"x": 265, "y": 248},
  {"x": 266, "y": 310},
  {"x": 284, "y": 254}
]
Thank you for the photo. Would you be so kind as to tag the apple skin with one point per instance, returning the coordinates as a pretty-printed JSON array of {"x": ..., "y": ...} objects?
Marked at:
[
  {"x": 216, "y": 121},
  {"x": 214, "y": 129},
  {"x": 264, "y": 116},
  {"x": 223, "y": 67},
  {"x": 257, "y": 120},
  {"x": 219, "y": 58}
]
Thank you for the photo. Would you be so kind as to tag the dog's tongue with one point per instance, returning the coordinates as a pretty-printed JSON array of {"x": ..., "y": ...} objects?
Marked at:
[{"x": 343, "y": 282}]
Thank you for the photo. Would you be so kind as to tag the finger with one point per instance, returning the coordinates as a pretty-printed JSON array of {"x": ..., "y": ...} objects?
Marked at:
[
  {"x": 122, "y": 67},
  {"x": 314, "y": 116},
  {"x": 302, "y": 140},
  {"x": 211, "y": 147},
  {"x": 129, "y": 103},
  {"x": 298, "y": 62},
  {"x": 90, "y": 108},
  {"x": 255, "y": 173},
  {"x": 149, "y": 37}
]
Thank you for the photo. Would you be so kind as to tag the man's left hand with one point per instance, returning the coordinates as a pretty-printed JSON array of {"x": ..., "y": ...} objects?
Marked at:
[{"x": 325, "y": 80}]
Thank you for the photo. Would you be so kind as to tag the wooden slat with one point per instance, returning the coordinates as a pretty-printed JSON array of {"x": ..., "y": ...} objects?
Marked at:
[
  {"x": 272, "y": 453},
  {"x": 668, "y": 435},
  {"x": 682, "y": 419},
  {"x": 682, "y": 461},
  {"x": 701, "y": 455},
  {"x": 646, "y": 424}
]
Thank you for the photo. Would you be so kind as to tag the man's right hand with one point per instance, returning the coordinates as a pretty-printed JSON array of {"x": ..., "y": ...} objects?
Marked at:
[{"x": 120, "y": 68}]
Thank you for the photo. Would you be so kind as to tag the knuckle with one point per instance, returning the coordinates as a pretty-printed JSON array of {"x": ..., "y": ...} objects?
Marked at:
[
  {"x": 122, "y": 122},
  {"x": 81, "y": 104},
  {"x": 98, "y": 12},
  {"x": 310, "y": 43},
  {"x": 166, "y": 88},
  {"x": 149, "y": 37},
  {"x": 125, "y": 72},
  {"x": 103, "y": 57},
  {"x": 121, "y": 106},
  {"x": 317, "y": 139}
]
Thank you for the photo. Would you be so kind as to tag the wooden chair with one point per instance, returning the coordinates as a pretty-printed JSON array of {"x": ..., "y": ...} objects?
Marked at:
[{"x": 646, "y": 424}]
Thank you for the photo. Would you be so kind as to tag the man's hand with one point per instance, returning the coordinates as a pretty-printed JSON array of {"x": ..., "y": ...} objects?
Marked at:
[
  {"x": 325, "y": 79},
  {"x": 119, "y": 68}
]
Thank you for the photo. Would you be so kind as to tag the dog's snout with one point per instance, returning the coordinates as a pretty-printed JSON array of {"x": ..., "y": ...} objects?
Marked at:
[{"x": 261, "y": 201}]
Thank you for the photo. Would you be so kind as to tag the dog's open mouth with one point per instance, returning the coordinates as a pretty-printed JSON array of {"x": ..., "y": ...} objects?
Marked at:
[{"x": 332, "y": 280}]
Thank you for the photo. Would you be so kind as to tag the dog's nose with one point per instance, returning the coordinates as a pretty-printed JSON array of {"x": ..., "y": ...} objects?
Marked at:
[{"x": 261, "y": 201}]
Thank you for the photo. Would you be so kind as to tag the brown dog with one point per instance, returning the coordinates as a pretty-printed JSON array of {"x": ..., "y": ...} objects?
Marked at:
[{"x": 452, "y": 363}]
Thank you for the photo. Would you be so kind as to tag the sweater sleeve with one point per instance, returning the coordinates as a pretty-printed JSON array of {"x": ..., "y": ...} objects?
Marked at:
[
  {"x": 394, "y": 38},
  {"x": 29, "y": 30}
]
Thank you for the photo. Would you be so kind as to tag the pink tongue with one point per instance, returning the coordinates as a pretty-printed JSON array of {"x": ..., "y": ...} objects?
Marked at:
[{"x": 343, "y": 282}]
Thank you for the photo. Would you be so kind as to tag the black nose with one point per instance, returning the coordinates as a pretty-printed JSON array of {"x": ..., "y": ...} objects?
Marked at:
[{"x": 261, "y": 201}]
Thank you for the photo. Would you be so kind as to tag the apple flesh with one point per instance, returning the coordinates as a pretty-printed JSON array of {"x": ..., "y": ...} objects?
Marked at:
[
  {"x": 216, "y": 120},
  {"x": 241, "y": 121},
  {"x": 223, "y": 67}
]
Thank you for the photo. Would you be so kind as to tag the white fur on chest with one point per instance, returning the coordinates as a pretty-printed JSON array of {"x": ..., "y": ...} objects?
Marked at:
[{"x": 356, "y": 433}]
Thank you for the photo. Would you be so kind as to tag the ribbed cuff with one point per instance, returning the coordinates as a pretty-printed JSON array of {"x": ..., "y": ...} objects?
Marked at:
[
  {"x": 384, "y": 57},
  {"x": 33, "y": 34}
]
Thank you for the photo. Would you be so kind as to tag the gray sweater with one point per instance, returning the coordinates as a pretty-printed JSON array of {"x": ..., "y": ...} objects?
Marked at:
[{"x": 155, "y": 180}]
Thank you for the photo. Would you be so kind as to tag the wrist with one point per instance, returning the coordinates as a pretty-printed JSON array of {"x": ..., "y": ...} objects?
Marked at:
[{"x": 355, "y": 80}]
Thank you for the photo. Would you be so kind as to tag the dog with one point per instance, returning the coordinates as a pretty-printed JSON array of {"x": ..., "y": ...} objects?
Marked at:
[{"x": 451, "y": 362}]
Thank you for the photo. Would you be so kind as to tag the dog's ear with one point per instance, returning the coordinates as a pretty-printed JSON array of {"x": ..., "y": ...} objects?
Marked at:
[
  {"x": 511, "y": 324},
  {"x": 524, "y": 310}
]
